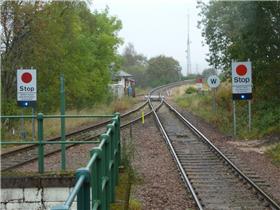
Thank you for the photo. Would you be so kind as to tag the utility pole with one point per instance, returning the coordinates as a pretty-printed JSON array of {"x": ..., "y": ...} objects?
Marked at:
[{"x": 188, "y": 49}]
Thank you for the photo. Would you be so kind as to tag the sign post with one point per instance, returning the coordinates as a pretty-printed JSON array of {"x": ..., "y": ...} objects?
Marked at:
[
  {"x": 213, "y": 82},
  {"x": 241, "y": 87},
  {"x": 27, "y": 92}
]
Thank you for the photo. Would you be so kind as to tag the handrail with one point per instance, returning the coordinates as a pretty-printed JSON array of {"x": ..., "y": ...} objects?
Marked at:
[
  {"x": 54, "y": 116},
  {"x": 100, "y": 176},
  {"x": 40, "y": 136}
]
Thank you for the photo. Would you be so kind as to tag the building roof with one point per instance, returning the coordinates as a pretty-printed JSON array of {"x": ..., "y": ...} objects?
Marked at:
[{"x": 122, "y": 73}]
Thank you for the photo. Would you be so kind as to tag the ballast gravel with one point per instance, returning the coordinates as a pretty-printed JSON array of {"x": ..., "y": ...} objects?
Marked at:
[
  {"x": 258, "y": 163},
  {"x": 161, "y": 186}
]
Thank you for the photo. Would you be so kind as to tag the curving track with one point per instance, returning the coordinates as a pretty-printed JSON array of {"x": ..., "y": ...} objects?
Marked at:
[
  {"x": 26, "y": 154},
  {"x": 22, "y": 155}
]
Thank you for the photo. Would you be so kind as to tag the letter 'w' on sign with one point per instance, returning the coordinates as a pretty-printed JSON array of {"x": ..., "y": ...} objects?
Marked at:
[{"x": 213, "y": 81}]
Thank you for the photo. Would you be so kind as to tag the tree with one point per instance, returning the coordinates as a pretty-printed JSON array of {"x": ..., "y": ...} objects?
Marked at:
[
  {"x": 58, "y": 38},
  {"x": 135, "y": 64},
  {"x": 242, "y": 30},
  {"x": 162, "y": 70}
]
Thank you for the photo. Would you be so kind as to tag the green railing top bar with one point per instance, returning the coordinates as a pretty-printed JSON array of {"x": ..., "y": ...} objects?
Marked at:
[
  {"x": 54, "y": 116},
  {"x": 47, "y": 142},
  {"x": 100, "y": 175}
]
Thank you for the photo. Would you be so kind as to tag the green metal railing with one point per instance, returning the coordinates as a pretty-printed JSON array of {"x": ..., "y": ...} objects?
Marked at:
[
  {"x": 40, "y": 135},
  {"x": 100, "y": 177}
]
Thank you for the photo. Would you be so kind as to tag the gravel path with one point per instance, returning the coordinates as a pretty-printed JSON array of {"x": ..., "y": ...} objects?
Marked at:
[
  {"x": 257, "y": 162},
  {"x": 161, "y": 186}
]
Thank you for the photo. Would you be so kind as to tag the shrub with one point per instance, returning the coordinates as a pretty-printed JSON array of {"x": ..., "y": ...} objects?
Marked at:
[{"x": 190, "y": 90}]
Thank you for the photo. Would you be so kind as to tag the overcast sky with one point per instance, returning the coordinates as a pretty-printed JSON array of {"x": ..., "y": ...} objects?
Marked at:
[{"x": 159, "y": 27}]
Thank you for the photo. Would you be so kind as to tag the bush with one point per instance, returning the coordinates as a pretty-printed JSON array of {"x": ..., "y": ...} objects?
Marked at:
[{"x": 190, "y": 90}]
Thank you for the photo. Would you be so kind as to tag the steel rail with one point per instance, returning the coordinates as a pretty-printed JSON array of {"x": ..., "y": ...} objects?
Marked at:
[
  {"x": 176, "y": 159},
  {"x": 91, "y": 138},
  {"x": 228, "y": 161},
  {"x": 96, "y": 126}
]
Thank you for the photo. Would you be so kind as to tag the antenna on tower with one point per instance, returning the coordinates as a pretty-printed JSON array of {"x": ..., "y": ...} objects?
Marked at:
[{"x": 188, "y": 49}]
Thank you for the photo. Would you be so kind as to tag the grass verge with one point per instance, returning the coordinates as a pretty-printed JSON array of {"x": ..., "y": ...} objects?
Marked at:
[
  {"x": 265, "y": 115},
  {"x": 121, "y": 195},
  {"x": 274, "y": 153},
  {"x": 52, "y": 126}
]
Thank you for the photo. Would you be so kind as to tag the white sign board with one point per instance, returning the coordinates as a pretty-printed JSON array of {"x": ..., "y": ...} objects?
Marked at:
[
  {"x": 213, "y": 81},
  {"x": 26, "y": 85},
  {"x": 242, "y": 80}
]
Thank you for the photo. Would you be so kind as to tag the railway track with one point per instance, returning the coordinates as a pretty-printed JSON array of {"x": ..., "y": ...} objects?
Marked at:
[
  {"x": 26, "y": 154},
  {"x": 214, "y": 181},
  {"x": 23, "y": 155}
]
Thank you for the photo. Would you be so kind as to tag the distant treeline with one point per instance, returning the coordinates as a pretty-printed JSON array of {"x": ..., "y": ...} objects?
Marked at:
[
  {"x": 58, "y": 37},
  {"x": 151, "y": 72}
]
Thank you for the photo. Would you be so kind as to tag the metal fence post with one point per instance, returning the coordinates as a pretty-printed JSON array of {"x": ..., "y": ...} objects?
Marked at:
[
  {"x": 40, "y": 118},
  {"x": 83, "y": 196},
  {"x": 105, "y": 178},
  {"x": 62, "y": 120},
  {"x": 112, "y": 164},
  {"x": 96, "y": 179},
  {"x": 118, "y": 145}
]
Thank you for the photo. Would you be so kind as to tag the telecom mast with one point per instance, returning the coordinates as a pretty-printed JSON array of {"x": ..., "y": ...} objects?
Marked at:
[{"x": 188, "y": 49}]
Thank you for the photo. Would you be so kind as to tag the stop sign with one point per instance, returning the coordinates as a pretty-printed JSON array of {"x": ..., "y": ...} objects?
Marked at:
[
  {"x": 26, "y": 87},
  {"x": 242, "y": 80}
]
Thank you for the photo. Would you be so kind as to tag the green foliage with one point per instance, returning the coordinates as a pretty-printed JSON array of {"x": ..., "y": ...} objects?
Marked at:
[
  {"x": 150, "y": 73},
  {"x": 242, "y": 30},
  {"x": 190, "y": 90},
  {"x": 265, "y": 121},
  {"x": 162, "y": 70},
  {"x": 208, "y": 72},
  {"x": 135, "y": 64},
  {"x": 274, "y": 153},
  {"x": 59, "y": 38}
]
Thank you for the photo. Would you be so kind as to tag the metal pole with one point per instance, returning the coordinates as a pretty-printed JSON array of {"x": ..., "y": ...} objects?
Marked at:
[
  {"x": 234, "y": 119},
  {"x": 214, "y": 99},
  {"x": 33, "y": 125},
  {"x": 22, "y": 126},
  {"x": 249, "y": 115},
  {"x": 40, "y": 118},
  {"x": 62, "y": 120}
]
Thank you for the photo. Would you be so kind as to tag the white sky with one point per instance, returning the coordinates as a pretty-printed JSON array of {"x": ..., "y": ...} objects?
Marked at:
[{"x": 158, "y": 27}]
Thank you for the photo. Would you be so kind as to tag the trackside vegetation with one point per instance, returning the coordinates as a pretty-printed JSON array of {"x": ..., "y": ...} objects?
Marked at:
[
  {"x": 240, "y": 31},
  {"x": 58, "y": 37}
]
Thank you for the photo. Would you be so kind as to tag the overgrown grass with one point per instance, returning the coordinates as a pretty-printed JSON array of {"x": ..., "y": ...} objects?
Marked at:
[
  {"x": 265, "y": 118},
  {"x": 121, "y": 194},
  {"x": 274, "y": 153},
  {"x": 52, "y": 126}
]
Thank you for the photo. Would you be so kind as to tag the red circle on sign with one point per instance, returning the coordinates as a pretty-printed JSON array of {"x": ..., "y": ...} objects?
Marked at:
[
  {"x": 26, "y": 77},
  {"x": 241, "y": 70}
]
